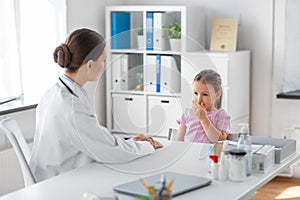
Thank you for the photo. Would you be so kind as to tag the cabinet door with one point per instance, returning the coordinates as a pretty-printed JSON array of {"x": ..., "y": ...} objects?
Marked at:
[
  {"x": 162, "y": 114},
  {"x": 129, "y": 113}
]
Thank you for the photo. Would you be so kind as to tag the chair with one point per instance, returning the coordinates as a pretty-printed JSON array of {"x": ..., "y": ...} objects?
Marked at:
[
  {"x": 172, "y": 134},
  {"x": 12, "y": 131}
]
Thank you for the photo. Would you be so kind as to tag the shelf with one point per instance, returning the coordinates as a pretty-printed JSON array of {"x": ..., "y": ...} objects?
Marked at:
[
  {"x": 127, "y": 92},
  {"x": 177, "y": 95},
  {"x": 138, "y": 51},
  {"x": 164, "y": 52},
  {"x": 133, "y": 70},
  {"x": 289, "y": 95}
]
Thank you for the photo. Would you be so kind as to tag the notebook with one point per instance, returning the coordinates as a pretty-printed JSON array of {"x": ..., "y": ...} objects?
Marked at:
[{"x": 182, "y": 183}]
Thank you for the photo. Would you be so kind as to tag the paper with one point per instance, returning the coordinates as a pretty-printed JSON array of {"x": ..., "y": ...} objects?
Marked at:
[{"x": 224, "y": 34}]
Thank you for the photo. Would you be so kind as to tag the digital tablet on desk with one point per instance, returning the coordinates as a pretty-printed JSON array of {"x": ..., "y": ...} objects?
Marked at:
[{"x": 182, "y": 183}]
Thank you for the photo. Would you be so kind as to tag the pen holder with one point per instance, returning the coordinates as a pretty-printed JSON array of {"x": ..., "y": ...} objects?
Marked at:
[
  {"x": 161, "y": 192},
  {"x": 160, "y": 197}
]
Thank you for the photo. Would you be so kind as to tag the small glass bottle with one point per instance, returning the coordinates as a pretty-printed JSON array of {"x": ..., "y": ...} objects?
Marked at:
[
  {"x": 245, "y": 144},
  {"x": 237, "y": 167}
]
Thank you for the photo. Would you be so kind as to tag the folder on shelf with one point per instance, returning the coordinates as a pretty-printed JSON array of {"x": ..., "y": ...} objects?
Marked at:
[
  {"x": 120, "y": 30},
  {"x": 149, "y": 31},
  {"x": 150, "y": 74},
  {"x": 119, "y": 71},
  {"x": 162, "y": 74},
  {"x": 160, "y": 38},
  {"x": 158, "y": 72},
  {"x": 170, "y": 75}
]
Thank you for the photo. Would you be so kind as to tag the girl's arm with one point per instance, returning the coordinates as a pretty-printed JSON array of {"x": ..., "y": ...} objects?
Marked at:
[
  {"x": 181, "y": 132},
  {"x": 211, "y": 131}
]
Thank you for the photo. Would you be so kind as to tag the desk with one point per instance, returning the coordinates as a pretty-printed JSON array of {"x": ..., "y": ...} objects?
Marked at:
[{"x": 176, "y": 156}]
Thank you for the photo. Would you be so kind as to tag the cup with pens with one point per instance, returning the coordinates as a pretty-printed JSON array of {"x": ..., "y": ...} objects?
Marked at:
[{"x": 163, "y": 192}]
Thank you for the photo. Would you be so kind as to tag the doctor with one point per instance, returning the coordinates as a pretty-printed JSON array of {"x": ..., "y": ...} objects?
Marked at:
[{"x": 67, "y": 132}]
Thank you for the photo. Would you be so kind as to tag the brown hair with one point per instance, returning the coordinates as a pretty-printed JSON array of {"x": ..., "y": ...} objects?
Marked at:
[
  {"x": 81, "y": 46},
  {"x": 211, "y": 77}
]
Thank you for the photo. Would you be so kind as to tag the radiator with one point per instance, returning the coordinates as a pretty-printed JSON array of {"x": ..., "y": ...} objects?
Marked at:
[{"x": 11, "y": 177}]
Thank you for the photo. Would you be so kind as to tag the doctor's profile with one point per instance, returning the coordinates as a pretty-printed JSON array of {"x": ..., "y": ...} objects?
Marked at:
[{"x": 67, "y": 134}]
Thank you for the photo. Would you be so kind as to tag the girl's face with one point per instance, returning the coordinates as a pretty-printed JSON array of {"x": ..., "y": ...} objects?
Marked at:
[{"x": 205, "y": 94}]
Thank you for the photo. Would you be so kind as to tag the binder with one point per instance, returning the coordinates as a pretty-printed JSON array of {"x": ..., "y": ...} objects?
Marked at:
[
  {"x": 170, "y": 75},
  {"x": 149, "y": 31},
  {"x": 119, "y": 71},
  {"x": 160, "y": 38},
  {"x": 124, "y": 72},
  {"x": 158, "y": 72},
  {"x": 150, "y": 74},
  {"x": 120, "y": 30}
]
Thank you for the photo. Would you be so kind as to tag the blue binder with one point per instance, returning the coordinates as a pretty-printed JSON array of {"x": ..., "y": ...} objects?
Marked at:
[
  {"x": 149, "y": 31},
  {"x": 158, "y": 72},
  {"x": 120, "y": 30}
]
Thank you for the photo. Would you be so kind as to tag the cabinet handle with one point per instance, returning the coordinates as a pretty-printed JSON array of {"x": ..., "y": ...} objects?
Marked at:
[
  {"x": 165, "y": 101},
  {"x": 128, "y": 99}
]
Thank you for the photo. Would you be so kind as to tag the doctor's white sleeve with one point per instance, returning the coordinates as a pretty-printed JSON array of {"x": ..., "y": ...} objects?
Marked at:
[{"x": 98, "y": 143}]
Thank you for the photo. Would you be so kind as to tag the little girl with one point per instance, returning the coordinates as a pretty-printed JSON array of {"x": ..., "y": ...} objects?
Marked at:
[{"x": 206, "y": 122}]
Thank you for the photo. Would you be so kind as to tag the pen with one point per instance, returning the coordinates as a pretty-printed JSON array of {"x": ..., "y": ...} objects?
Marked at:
[
  {"x": 150, "y": 190},
  {"x": 169, "y": 186},
  {"x": 163, "y": 184}
]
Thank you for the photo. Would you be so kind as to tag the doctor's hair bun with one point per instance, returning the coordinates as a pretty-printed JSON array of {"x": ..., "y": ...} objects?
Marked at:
[
  {"x": 63, "y": 56},
  {"x": 81, "y": 46}
]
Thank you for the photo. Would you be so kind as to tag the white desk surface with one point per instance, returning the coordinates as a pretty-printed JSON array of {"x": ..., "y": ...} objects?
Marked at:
[{"x": 176, "y": 156}]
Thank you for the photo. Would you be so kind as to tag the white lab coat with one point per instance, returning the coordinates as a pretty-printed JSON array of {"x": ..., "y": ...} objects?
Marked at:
[{"x": 68, "y": 135}]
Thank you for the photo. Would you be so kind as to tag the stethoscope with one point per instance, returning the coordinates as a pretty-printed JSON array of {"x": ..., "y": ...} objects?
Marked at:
[{"x": 68, "y": 88}]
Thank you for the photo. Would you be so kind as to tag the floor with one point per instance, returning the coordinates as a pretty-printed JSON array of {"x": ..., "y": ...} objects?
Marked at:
[{"x": 281, "y": 188}]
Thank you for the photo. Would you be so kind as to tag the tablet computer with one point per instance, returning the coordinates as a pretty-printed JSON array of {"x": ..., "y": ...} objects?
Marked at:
[{"x": 182, "y": 183}]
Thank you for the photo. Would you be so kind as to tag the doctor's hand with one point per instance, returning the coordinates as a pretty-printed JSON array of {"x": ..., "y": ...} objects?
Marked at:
[{"x": 142, "y": 137}]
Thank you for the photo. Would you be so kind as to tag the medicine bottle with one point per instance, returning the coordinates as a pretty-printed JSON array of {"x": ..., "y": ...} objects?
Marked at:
[
  {"x": 223, "y": 166},
  {"x": 214, "y": 167},
  {"x": 245, "y": 144},
  {"x": 237, "y": 169}
]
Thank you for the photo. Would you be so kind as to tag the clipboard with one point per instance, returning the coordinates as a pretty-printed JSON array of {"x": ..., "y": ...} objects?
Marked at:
[{"x": 183, "y": 183}]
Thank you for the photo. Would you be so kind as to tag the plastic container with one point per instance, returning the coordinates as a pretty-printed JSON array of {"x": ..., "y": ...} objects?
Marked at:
[
  {"x": 237, "y": 167},
  {"x": 224, "y": 166},
  {"x": 214, "y": 167}
]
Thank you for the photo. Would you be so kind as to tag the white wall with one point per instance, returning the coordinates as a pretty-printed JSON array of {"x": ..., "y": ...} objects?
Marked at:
[
  {"x": 90, "y": 14},
  {"x": 286, "y": 113}
]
